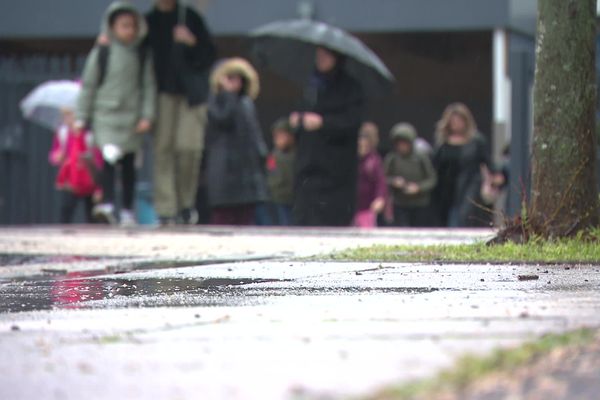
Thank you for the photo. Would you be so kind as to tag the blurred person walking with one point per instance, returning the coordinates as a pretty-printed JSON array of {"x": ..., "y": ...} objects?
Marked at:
[
  {"x": 117, "y": 100},
  {"x": 410, "y": 176},
  {"x": 183, "y": 55},
  {"x": 236, "y": 150},
  {"x": 280, "y": 173},
  {"x": 80, "y": 163},
  {"x": 327, "y": 133},
  {"x": 459, "y": 157},
  {"x": 339, "y": 72},
  {"x": 372, "y": 189}
]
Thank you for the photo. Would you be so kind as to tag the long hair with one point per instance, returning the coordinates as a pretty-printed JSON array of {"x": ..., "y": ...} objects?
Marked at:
[{"x": 443, "y": 125}]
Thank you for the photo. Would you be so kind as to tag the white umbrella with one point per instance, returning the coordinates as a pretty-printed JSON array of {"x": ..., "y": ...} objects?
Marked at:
[{"x": 44, "y": 104}]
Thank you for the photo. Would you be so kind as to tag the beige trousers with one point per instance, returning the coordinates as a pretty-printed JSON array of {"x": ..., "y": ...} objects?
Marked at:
[{"x": 178, "y": 144}]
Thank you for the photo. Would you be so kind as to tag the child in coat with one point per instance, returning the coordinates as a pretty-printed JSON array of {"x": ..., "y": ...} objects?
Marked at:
[
  {"x": 236, "y": 150},
  {"x": 118, "y": 100},
  {"x": 372, "y": 189},
  {"x": 79, "y": 163},
  {"x": 280, "y": 168},
  {"x": 410, "y": 177}
]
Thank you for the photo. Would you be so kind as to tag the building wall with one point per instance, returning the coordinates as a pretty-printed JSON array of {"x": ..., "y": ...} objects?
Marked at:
[{"x": 77, "y": 18}]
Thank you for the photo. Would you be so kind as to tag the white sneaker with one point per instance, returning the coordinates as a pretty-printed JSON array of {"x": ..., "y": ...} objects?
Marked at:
[
  {"x": 104, "y": 213},
  {"x": 188, "y": 216},
  {"x": 127, "y": 218}
]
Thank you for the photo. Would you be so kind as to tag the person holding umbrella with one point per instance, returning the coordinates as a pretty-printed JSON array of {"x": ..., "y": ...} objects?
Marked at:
[
  {"x": 327, "y": 132},
  {"x": 338, "y": 72}
]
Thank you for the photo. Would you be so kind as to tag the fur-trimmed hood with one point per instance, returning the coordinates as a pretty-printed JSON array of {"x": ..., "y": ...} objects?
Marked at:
[{"x": 239, "y": 66}]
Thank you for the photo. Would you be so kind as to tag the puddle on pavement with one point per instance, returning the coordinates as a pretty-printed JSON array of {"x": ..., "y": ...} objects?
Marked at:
[
  {"x": 79, "y": 289},
  {"x": 90, "y": 290}
]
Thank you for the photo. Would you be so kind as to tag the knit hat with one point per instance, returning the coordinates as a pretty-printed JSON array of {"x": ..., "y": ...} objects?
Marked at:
[
  {"x": 403, "y": 131},
  {"x": 281, "y": 124}
]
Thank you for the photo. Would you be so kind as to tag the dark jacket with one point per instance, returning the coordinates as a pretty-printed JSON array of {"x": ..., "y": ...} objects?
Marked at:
[
  {"x": 281, "y": 176},
  {"x": 327, "y": 160},
  {"x": 236, "y": 152},
  {"x": 459, "y": 182},
  {"x": 180, "y": 69}
]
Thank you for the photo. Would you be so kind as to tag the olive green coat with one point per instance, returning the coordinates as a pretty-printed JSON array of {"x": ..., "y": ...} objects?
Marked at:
[
  {"x": 127, "y": 93},
  {"x": 414, "y": 167}
]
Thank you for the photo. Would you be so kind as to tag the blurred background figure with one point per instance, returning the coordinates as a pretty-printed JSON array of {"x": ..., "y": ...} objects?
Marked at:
[
  {"x": 280, "y": 173},
  {"x": 117, "y": 100},
  {"x": 459, "y": 156},
  {"x": 338, "y": 72},
  {"x": 236, "y": 149},
  {"x": 326, "y": 162},
  {"x": 51, "y": 105},
  {"x": 370, "y": 130},
  {"x": 80, "y": 165},
  {"x": 371, "y": 187},
  {"x": 411, "y": 178},
  {"x": 183, "y": 52}
]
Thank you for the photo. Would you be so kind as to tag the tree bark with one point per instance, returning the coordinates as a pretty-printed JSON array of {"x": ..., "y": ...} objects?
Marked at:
[{"x": 564, "y": 198}]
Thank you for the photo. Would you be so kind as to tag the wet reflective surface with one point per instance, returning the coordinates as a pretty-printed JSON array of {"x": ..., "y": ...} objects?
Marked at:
[
  {"x": 79, "y": 290},
  {"x": 271, "y": 330},
  {"x": 192, "y": 313}
]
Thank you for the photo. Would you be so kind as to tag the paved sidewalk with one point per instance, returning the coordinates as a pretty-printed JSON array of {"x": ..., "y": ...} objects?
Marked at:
[
  {"x": 202, "y": 244},
  {"x": 270, "y": 329}
]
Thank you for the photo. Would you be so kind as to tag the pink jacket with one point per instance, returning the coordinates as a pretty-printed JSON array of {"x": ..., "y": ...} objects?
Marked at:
[{"x": 62, "y": 147}]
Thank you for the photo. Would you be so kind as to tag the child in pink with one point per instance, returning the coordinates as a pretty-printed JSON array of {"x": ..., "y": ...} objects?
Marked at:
[
  {"x": 372, "y": 187},
  {"x": 79, "y": 163}
]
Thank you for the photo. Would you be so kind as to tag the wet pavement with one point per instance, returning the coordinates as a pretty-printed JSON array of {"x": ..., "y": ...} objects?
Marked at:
[{"x": 273, "y": 328}]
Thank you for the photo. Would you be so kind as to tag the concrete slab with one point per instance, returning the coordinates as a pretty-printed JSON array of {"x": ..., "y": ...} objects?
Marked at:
[{"x": 273, "y": 330}]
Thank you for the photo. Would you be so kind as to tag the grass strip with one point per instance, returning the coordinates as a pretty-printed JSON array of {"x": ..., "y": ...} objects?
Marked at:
[
  {"x": 469, "y": 369},
  {"x": 563, "y": 251}
]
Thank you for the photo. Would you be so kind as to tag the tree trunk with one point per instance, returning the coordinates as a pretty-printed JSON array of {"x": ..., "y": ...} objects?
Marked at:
[{"x": 564, "y": 185}]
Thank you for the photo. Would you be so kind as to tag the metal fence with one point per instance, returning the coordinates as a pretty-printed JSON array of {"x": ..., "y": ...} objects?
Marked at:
[{"x": 27, "y": 193}]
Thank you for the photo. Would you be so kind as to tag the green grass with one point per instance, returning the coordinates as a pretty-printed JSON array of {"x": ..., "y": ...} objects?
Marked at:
[
  {"x": 470, "y": 368},
  {"x": 536, "y": 251}
]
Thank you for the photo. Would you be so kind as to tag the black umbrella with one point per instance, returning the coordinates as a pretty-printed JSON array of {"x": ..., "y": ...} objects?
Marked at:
[{"x": 288, "y": 48}]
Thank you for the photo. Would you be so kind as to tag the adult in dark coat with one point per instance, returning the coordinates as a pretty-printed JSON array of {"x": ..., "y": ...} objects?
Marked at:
[
  {"x": 183, "y": 50},
  {"x": 460, "y": 155},
  {"x": 183, "y": 56},
  {"x": 327, "y": 135},
  {"x": 236, "y": 148}
]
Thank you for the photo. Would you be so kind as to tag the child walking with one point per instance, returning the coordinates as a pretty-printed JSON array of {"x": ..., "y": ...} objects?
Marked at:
[
  {"x": 410, "y": 176},
  {"x": 79, "y": 164},
  {"x": 118, "y": 101},
  {"x": 280, "y": 168},
  {"x": 236, "y": 150},
  {"x": 371, "y": 188}
]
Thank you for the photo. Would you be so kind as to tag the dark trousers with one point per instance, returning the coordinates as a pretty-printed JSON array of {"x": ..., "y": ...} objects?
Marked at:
[
  {"x": 332, "y": 209},
  {"x": 109, "y": 177},
  {"x": 68, "y": 206},
  {"x": 411, "y": 216},
  {"x": 234, "y": 215}
]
